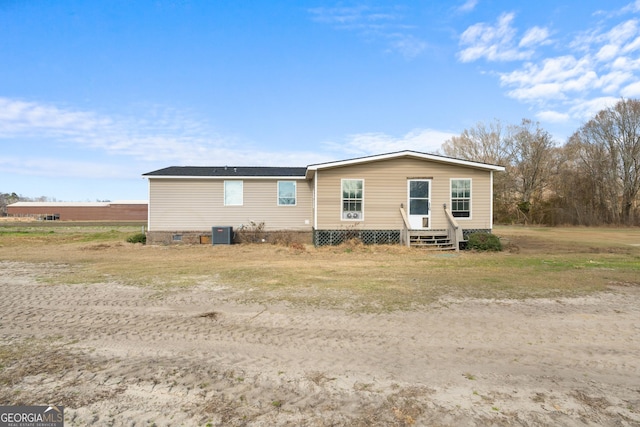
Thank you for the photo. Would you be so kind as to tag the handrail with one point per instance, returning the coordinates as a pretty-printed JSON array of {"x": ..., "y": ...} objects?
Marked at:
[
  {"x": 454, "y": 230},
  {"x": 407, "y": 226}
]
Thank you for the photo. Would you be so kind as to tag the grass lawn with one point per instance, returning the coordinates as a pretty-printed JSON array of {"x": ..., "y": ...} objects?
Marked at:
[{"x": 536, "y": 262}]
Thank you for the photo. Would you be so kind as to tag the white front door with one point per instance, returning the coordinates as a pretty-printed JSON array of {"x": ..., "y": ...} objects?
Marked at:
[{"x": 419, "y": 193}]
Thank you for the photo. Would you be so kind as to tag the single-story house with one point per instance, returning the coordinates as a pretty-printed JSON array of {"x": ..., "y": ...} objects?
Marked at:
[
  {"x": 404, "y": 197},
  {"x": 120, "y": 210}
]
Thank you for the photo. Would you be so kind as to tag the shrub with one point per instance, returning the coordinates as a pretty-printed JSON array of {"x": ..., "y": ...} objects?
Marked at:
[
  {"x": 282, "y": 237},
  {"x": 484, "y": 242},
  {"x": 137, "y": 238},
  {"x": 252, "y": 233}
]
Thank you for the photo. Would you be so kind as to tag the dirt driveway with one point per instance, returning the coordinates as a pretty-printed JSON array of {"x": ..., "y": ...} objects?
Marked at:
[{"x": 118, "y": 355}]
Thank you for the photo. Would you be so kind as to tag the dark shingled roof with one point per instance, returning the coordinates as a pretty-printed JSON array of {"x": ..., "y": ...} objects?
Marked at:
[{"x": 228, "y": 171}]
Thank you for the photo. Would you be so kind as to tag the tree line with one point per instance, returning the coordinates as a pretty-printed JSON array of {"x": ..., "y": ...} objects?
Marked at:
[
  {"x": 593, "y": 179},
  {"x": 9, "y": 198}
]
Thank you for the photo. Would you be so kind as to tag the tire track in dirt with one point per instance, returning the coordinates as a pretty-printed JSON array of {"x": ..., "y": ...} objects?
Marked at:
[{"x": 457, "y": 359}]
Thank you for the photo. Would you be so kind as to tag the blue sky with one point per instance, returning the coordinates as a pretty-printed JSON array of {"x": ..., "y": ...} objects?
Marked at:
[{"x": 95, "y": 93}]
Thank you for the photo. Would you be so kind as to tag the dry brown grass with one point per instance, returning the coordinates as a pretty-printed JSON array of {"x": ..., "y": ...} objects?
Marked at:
[{"x": 537, "y": 262}]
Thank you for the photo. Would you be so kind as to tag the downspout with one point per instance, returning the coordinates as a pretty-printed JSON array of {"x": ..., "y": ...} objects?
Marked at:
[
  {"x": 315, "y": 200},
  {"x": 149, "y": 205},
  {"x": 491, "y": 200}
]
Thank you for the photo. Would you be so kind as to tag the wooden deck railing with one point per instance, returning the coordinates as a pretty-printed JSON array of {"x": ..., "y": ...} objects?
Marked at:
[
  {"x": 404, "y": 235},
  {"x": 454, "y": 230}
]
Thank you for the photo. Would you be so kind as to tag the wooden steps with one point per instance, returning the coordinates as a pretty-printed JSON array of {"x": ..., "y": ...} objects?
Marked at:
[{"x": 431, "y": 240}]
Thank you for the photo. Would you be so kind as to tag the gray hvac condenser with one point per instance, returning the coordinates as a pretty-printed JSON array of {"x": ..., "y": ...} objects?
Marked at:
[{"x": 222, "y": 235}]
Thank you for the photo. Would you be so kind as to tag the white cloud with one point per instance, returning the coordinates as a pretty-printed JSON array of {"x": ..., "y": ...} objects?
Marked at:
[
  {"x": 408, "y": 45},
  {"x": 539, "y": 91},
  {"x": 550, "y": 80},
  {"x": 350, "y": 18},
  {"x": 379, "y": 24},
  {"x": 631, "y": 46},
  {"x": 47, "y": 167},
  {"x": 495, "y": 42},
  {"x": 631, "y": 7},
  {"x": 424, "y": 140},
  {"x": 612, "y": 81},
  {"x": 128, "y": 146},
  {"x": 468, "y": 6},
  {"x": 22, "y": 117},
  {"x": 553, "y": 116},
  {"x": 572, "y": 79},
  {"x": 593, "y": 38},
  {"x": 166, "y": 138},
  {"x": 607, "y": 52},
  {"x": 535, "y": 36},
  {"x": 621, "y": 39},
  {"x": 631, "y": 91},
  {"x": 498, "y": 42},
  {"x": 585, "y": 109},
  {"x": 623, "y": 32},
  {"x": 582, "y": 83},
  {"x": 625, "y": 64}
]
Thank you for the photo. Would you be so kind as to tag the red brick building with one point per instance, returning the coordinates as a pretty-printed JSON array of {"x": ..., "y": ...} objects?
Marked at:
[{"x": 122, "y": 210}]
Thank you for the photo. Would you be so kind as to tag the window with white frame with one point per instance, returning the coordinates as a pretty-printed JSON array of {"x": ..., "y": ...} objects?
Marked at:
[
  {"x": 461, "y": 198},
  {"x": 286, "y": 193},
  {"x": 352, "y": 199},
  {"x": 233, "y": 193}
]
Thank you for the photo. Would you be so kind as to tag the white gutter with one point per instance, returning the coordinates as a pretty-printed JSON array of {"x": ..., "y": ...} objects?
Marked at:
[{"x": 230, "y": 177}]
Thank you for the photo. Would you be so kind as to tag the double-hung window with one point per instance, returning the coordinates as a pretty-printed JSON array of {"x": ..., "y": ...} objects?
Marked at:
[
  {"x": 352, "y": 199},
  {"x": 286, "y": 193},
  {"x": 233, "y": 193},
  {"x": 461, "y": 198}
]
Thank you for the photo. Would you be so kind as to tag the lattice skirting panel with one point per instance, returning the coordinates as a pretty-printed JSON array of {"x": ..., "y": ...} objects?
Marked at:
[
  {"x": 371, "y": 237},
  {"x": 368, "y": 237}
]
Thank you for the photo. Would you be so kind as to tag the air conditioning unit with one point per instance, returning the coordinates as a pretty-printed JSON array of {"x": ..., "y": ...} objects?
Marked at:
[
  {"x": 221, "y": 235},
  {"x": 351, "y": 215}
]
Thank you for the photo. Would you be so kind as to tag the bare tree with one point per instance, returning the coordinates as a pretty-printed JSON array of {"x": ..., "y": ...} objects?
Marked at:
[
  {"x": 526, "y": 151},
  {"x": 488, "y": 144},
  {"x": 593, "y": 179},
  {"x": 482, "y": 143},
  {"x": 608, "y": 147},
  {"x": 532, "y": 164}
]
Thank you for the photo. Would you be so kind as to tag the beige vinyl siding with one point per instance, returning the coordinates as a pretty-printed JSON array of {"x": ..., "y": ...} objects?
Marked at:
[
  {"x": 198, "y": 204},
  {"x": 385, "y": 189}
]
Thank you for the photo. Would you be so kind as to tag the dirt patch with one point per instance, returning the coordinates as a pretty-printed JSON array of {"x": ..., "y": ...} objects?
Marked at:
[{"x": 119, "y": 355}]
